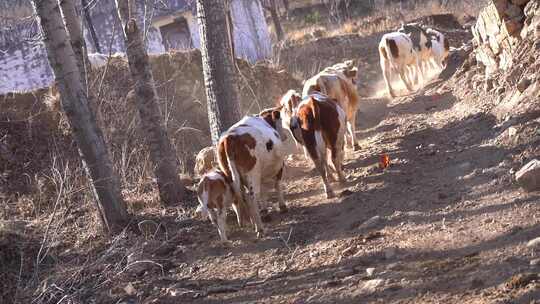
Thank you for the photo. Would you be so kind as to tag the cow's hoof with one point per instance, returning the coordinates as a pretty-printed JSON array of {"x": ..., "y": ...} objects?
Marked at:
[
  {"x": 356, "y": 147},
  {"x": 283, "y": 209}
]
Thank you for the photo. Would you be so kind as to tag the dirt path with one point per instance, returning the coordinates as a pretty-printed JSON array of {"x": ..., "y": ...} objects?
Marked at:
[{"x": 442, "y": 224}]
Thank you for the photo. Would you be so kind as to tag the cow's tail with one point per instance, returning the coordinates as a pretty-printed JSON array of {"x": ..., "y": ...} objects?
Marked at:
[{"x": 228, "y": 165}]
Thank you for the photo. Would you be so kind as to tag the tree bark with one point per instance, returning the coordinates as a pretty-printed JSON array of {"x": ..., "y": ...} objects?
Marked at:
[
  {"x": 218, "y": 68},
  {"x": 88, "y": 136},
  {"x": 286, "y": 6},
  {"x": 230, "y": 28},
  {"x": 90, "y": 25},
  {"x": 73, "y": 26},
  {"x": 275, "y": 20},
  {"x": 163, "y": 156}
]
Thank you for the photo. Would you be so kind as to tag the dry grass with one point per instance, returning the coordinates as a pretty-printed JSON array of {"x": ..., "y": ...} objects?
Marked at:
[{"x": 383, "y": 18}]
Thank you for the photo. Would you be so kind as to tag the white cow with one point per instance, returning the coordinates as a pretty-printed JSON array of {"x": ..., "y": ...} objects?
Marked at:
[{"x": 397, "y": 54}]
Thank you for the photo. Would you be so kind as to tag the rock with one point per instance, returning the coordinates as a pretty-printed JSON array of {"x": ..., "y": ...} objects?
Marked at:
[
  {"x": 495, "y": 33},
  {"x": 488, "y": 86},
  {"x": 372, "y": 222},
  {"x": 370, "y": 271},
  {"x": 477, "y": 283},
  {"x": 353, "y": 278},
  {"x": 519, "y": 2},
  {"x": 523, "y": 84},
  {"x": 390, "y": 253},
  {"x": 344, "y": 273},
  {"x": 512, "y": 131},
  {"x": 528, "y": 177},
  {"x": 178, "y": 290},
  {"x": 534, "y": 243},
  {"x": 130, "y": 290},
  {"x": 372, "y": 285},
  {"x": 513, "y": 12},
  {"x": 521, "y": 280}
]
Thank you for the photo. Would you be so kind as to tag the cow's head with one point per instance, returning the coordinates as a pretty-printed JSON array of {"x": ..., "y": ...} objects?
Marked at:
[
  {"x": 273, "y": 117},
  {"x": 352, "y": 74},
  {"x": 289, "y": 104}
]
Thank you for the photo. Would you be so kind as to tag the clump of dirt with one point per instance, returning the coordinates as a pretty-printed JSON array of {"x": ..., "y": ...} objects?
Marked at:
[{"x": 521, "y": 280}]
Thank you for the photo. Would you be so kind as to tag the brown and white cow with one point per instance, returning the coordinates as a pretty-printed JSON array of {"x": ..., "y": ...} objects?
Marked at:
[
  {"x": 205, "y": 161},
  {"x": 251, "y": 153},
  {"x": 339, "y": 83},
  {"x": 216, "y": 196},
  {"x": 318, "y": 123}
]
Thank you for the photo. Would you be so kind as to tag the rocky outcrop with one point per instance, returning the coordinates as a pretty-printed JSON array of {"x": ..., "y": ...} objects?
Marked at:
[{"x": 496, "y": 32}]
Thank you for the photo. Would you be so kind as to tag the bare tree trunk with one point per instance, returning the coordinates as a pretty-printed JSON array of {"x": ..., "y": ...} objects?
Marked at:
[
  {"x": 221, "y": 93},
  {"x": 275, "y": 19},
  {"x": 88, "y": 136},
  {"x": 286, "y": 6},
  {"x": 90, "y": 25},
  {"x": 230, "y": 28},
  {"x": 73, "y": 26},
  {"x": 163, "y": 156}
]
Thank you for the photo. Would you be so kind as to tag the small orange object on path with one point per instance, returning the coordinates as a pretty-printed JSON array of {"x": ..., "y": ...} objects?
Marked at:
[{"x": 384, "y": 161}]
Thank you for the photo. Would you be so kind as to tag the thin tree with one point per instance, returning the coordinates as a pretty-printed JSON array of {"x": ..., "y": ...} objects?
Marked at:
[
  {"x": 74, "y": 28},
  {"x": 90, "y": 25},
  {"x": 90, "y": 142},
  {"x": 162, "y": 153},
  {"x": 218, "y": 68},
  {"x": 270, "y": 5}
]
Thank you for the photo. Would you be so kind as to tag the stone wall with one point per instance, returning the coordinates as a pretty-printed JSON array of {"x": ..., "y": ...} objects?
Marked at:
[{"x": 23, "y": 60}]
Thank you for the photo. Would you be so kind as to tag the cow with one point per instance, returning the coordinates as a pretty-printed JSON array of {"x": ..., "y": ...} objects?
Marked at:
[
  {"x": 440, "y": 49},
  {"x": 205, "y": 161},
  {"x": 432, "y": 46},
  {"x": 216, "y": 196},
  {"x": 397, "y": 54},
  {"x": 318, "y": 123},
  {"x": 251, "y": 153},
  {"x": 339, "y": 83}
]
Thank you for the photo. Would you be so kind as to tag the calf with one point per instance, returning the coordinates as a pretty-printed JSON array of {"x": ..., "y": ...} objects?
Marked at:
[
  {"x": 205, "y": 161},
  {"x": 398, "y": 54},
  {"x": 318, "y": 124},
  {"x": 251, "y": 153},
  {"x": 215, "y": 195},
  {"x": 339, "y": 83}
]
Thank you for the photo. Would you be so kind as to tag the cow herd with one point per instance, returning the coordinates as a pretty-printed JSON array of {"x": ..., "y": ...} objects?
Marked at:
[{"x": 252, "y": 152}]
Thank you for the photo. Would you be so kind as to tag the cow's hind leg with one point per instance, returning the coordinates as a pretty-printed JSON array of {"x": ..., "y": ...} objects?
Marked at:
[
  {"x": 386, "y": 69},
  {"x": 222, "y": 224},
  {"x": 351, "y": 128},
  {"x": 405, "y": 79},
  {"x": 254, "y": 190},
  {"x": 277, "y": 187}
]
